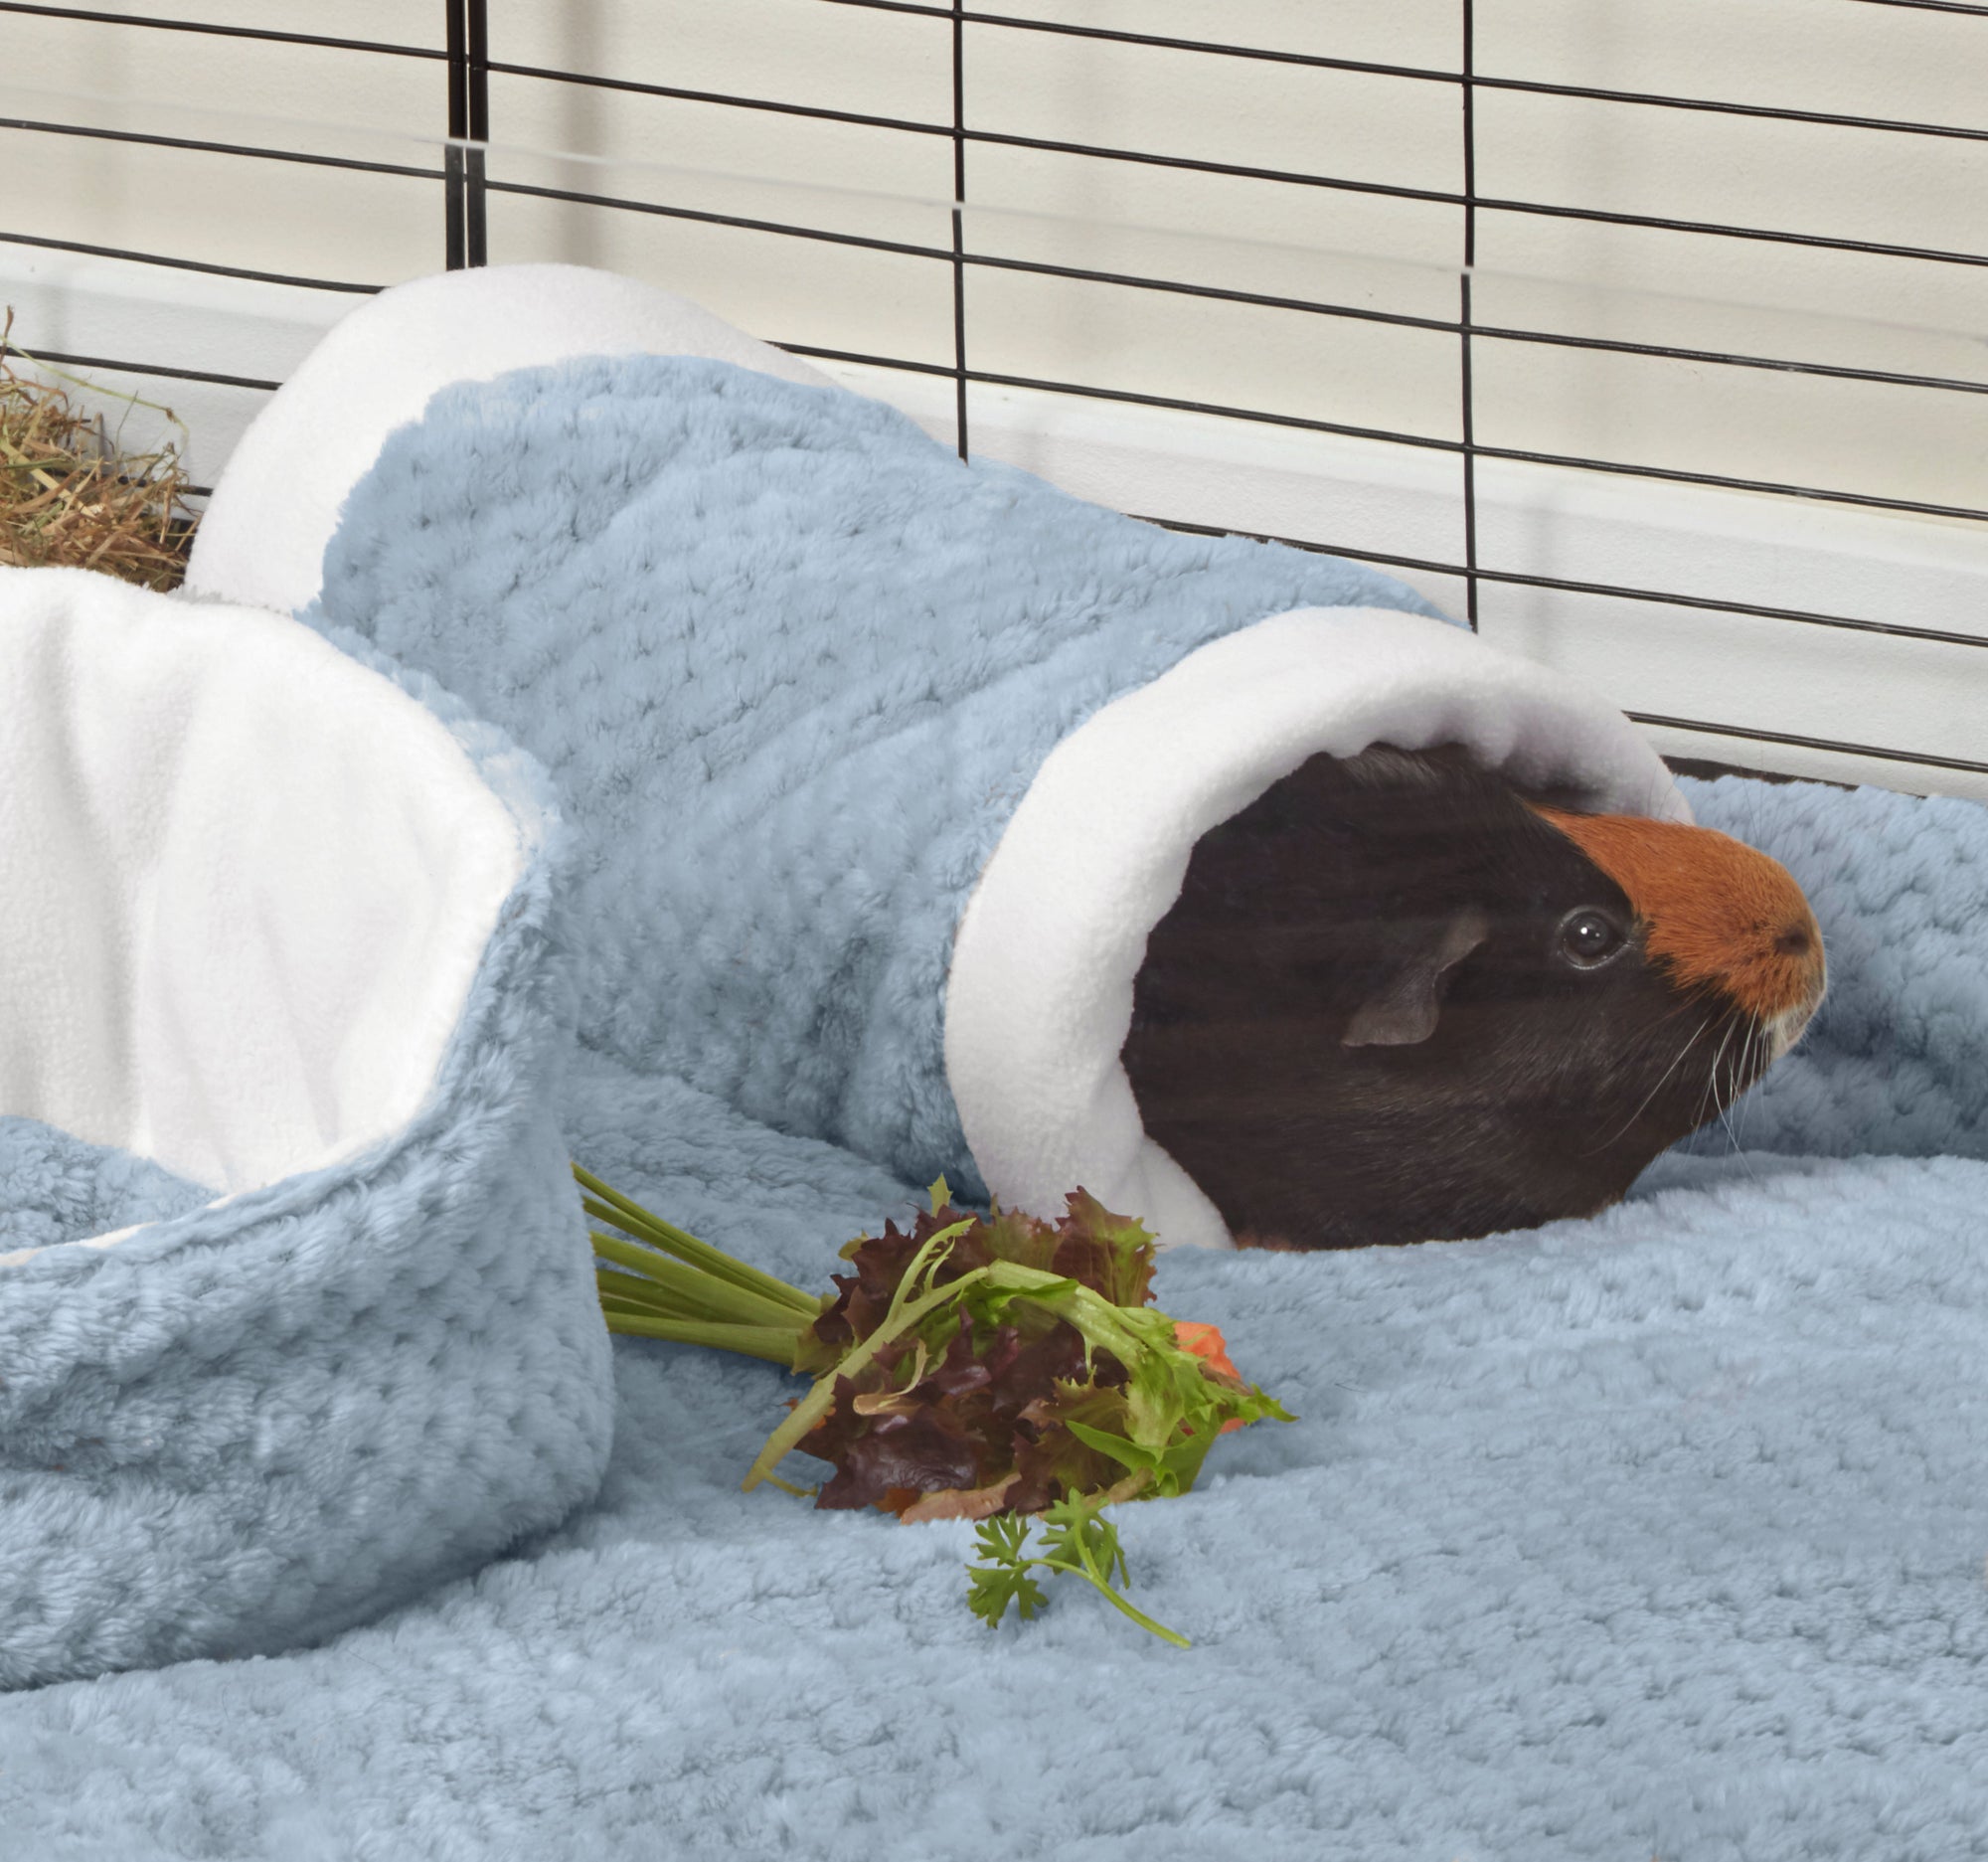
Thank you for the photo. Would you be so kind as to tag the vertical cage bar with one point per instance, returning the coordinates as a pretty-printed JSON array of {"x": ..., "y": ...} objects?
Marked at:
[
  {"x": 1469, "y": 422},
  {"x": 476, "y": 245},
  {"x": 454, "y": 229},
  {"x": 958, "y": 230},
  {"x": 465, "y": 238}
]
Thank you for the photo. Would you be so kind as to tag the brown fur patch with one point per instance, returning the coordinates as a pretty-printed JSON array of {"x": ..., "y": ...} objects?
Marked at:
[{"x": 1719, "y": 913}]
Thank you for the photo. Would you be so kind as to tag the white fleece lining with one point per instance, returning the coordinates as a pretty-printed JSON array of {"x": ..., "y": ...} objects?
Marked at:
[
  {"x": 1039, "y": 1000},
  {"x": 245, "y": 883}
]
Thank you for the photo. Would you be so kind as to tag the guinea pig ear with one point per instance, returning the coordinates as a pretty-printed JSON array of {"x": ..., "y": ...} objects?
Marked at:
[{"x": 1409, "y": 1005}]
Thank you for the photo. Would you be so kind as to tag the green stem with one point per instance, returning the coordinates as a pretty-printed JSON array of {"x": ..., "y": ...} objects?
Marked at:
[
  {"x": 1116, "y": 1602},
  {"x": 694, "y": 1294},
  {"x": 772, "y": 1342},
  {"x": 650, "y": 1304},
  {"x": 650, "y": 1228},
  {"x": 815, "y": 1404}
]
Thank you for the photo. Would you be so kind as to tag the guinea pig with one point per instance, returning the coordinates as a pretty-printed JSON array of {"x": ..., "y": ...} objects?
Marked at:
[{"x": 1396, "y": 1001}]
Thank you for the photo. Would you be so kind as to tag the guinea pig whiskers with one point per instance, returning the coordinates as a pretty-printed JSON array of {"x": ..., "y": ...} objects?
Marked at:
[
  {"x": 1753, "y": 1063},
  {"x": 1708, "y": 1098},
  {"x": 1675, "y": 1063},
  {"x": 1743, "y": 1075},
  {"x": 1737, "y": 1077},
  {"x": 1756, "y": 1059}
]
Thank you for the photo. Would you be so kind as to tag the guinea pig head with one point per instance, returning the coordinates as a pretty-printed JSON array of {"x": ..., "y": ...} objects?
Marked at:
[
  {"x": 1717, "y": 917},
  {"x": 1395, "y": 1001}
]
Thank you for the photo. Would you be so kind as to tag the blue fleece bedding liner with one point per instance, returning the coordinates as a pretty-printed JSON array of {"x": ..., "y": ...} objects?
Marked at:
[
  {"x": 257, "y": 1420},
  {"x": 1656, "y": 1533}
]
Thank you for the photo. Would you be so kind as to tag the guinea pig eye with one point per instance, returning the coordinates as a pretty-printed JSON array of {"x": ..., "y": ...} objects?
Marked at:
[{"x": 1589, "y": 938}]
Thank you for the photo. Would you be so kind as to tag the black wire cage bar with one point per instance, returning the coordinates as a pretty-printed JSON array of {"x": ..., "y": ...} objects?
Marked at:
[{"x": 468, "y": 189}]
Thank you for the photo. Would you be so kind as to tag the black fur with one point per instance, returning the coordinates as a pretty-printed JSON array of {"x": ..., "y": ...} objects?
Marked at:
[{"x": 1543, "y": 1088}]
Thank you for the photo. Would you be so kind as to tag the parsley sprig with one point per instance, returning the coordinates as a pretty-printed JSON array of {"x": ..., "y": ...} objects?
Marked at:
[{"x": 1075, "y": 1540}]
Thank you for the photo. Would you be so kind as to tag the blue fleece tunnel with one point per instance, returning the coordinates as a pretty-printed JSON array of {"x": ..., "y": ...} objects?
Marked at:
[{"x": 883, "y": 765}]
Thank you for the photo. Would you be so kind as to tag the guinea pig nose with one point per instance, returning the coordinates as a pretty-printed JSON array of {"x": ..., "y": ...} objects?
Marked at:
[{"x": 1795, "y": 941}]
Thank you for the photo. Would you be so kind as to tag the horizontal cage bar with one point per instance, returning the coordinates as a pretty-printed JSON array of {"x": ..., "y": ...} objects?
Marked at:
[
  {"x": 1423, "y": 73},
  {"x": 1424, "y": 442},
  {"x": 211, "y": 29},
  {"x": 1559, "y": 584},
  {"x": 1239, "y": 171},
  {"x": 1918, "y": 759},
  {"x": 302, "y": 158},
  {"x": 162, "y": 370},
  {"x": 185, "y": 264}
]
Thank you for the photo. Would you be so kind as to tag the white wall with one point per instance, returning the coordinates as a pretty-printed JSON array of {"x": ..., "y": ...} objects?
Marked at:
[{"x": 1279, "y": 238}]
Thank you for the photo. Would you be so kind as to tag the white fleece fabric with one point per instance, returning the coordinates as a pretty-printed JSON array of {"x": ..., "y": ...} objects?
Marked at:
[
  {"x": 245, "y": 882},
  {"x": 276, "y": 503}
]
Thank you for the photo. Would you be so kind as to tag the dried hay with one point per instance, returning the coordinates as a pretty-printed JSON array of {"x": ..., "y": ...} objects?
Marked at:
[{"x": 70, "y": 497}]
